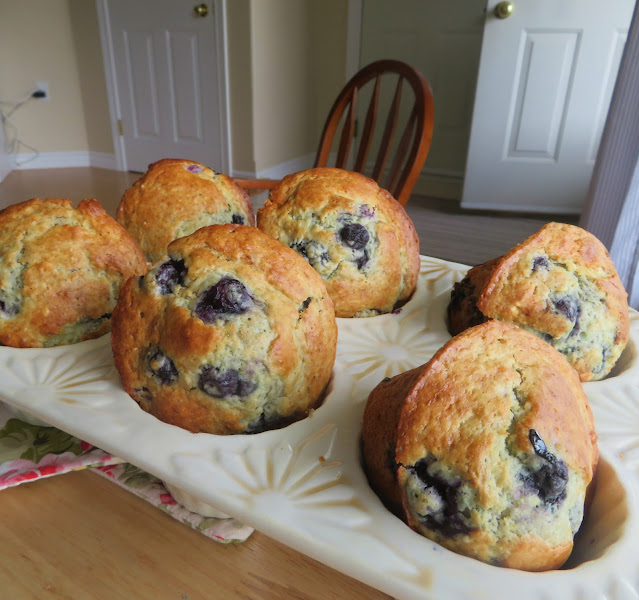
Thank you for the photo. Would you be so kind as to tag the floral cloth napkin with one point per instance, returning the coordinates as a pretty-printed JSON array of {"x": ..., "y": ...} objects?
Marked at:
[{"x": 29, "y": 452}]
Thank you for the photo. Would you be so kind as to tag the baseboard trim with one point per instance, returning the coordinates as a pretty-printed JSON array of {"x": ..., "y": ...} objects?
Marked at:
[
  {"x": 103, "y": 160},
  {"x": 431, "y": 182},
  {"x": 61, "y": 160},
  {"x": 526, "y": 208},
  {"x": 5, "y": 169},
  {"x": 278, "y": 171},
  {"x": 439, "y": 184}
]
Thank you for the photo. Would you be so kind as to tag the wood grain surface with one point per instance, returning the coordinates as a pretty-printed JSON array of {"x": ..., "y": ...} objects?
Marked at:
[{"x": 78, "y": 536}]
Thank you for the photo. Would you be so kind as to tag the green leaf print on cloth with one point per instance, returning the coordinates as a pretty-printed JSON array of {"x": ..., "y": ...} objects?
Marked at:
[
  {"x": 30, "y": 452},
  {"x": 31, "y": 442},
  {"x": 133, "y": 477}
]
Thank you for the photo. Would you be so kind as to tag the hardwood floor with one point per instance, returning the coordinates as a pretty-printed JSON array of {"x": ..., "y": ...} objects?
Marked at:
[
  {"x": 75, "y": 183},
  {"x": 445, "y": 231},
  {"x": 471, "y": 236}
]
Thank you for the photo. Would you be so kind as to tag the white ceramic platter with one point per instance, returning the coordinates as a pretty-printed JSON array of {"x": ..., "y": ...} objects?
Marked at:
[{"x": 304, "y": 486}]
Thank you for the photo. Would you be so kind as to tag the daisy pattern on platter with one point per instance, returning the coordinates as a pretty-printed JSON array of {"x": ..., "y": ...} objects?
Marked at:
[
  {"x": 617, "y": 421},
  {"x": 440, "y": 276},
  {"x": 60, "y": 374},
  {"x": 400, "y": 343},
  {"x": 300, "y": 476}
]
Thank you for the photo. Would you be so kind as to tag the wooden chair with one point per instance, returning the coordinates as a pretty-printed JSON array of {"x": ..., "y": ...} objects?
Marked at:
[{"x": 409, "y": 150}]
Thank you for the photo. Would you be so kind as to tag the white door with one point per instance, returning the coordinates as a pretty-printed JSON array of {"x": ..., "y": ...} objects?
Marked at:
[
  {"x": 545, "y": 80},
  {"x": 167, "y": 82}
]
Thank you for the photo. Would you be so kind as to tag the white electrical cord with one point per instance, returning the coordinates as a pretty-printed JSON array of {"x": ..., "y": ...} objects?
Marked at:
[{"x": 13, "y": 143}]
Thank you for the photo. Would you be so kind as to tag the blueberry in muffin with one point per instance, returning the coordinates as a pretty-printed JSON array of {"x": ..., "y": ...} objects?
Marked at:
[
  {"x": 174, "y": 198},
  {"x": 353, "y": 233},
  {"x": 61, "y": 269},
  {"x": 489, "y": 449},
  {"x": 230, "y": 332},
  {"x": 559, "y": 284}
]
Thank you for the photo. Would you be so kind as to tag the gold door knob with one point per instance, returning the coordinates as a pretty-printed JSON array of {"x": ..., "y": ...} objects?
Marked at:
[
  {"x": 503, "y": 10},
  {"x": 200, "y": 10}
]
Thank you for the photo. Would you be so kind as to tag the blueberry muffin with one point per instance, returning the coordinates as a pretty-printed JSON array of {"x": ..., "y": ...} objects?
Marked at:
[
  {"x": 176, "y": 197},
  {"x": 231, "y": 332},
  {"x": 491, "y": 451},
  {"x": 379, "y": 436},
  {"x": 61, "y": 269},
  {"x": 559, "y": 284},
  {"x": 352, "y": 232}
]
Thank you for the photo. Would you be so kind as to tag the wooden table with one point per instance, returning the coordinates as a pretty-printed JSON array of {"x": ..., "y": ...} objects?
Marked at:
[{"x": 79, "y": 536}]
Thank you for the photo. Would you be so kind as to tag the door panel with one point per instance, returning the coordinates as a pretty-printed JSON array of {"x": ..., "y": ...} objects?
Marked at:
[
  {"x": 183, "y": 70},
  {"x": 540, "y": 92},
  {"x": 143, "y": 93},
  {"x": 167, "y": 79},
  {"x": 545, "y": 80}
]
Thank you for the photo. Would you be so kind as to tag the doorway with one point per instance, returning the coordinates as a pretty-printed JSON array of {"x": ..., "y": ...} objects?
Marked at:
[
  {"x": 444, "y": 40},
  {"x": 165, "y": 64}
]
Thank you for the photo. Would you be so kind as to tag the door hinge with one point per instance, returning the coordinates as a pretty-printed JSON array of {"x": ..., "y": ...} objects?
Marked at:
[{"x": 120, "y": 127}]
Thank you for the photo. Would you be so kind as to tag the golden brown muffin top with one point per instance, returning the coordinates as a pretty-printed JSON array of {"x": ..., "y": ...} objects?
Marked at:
[
  {"x": 287, "y": 332},
  {"x": 464, "y": 395},
  {"x": 509, "y": 295},
  {"x": 60, "y": 265},
  {"x": 174, "y": 198},
  {"x": 314, "y": 206}
]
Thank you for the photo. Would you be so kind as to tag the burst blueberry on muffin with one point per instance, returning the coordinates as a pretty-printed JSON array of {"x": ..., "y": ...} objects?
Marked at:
[
  {"x": 489, "y": 449},
  {"x": 174, "y": 198},
  {"x": 559, "y": 284},
  {"x": 353, "y": 233},
  {"x": 61, "y": 269},
  {"x": 230, "y": 332}
]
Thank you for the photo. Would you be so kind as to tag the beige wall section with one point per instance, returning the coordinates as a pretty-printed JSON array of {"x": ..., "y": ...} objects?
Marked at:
[
  {"x": 36, "y": 44},
  {"x": 240, "y": 84},
  {"x": 297, "y": 71},
  {"x": 88, "y": 53},
  {"x": 327, "y": 61},
  {"x": 279, "y": 32}
]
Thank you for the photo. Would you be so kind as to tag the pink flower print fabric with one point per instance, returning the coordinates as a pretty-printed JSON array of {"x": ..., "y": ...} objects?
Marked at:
[
  {"x": 151, "y": 489},
  {"x": 29, "y": 452}
]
